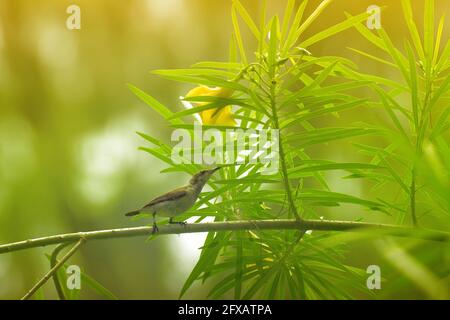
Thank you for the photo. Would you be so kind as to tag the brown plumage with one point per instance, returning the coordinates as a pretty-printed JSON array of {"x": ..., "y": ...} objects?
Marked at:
[{"x": 169, "y": 196}]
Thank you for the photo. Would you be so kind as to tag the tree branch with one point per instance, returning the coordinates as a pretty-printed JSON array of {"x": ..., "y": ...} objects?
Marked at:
[{"x": 278, "y": 224}]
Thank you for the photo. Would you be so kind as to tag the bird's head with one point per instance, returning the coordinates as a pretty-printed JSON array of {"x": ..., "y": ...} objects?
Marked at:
[{"x": 200, "y": 178}]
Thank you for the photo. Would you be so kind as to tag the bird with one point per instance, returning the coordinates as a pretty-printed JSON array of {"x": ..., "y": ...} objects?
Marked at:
[{"x": 177, "y": 201}]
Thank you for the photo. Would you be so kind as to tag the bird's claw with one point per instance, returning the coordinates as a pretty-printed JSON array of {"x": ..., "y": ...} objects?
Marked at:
[
  {"x": 183, "y": 223},
  {"x": 155, "y": 228}
]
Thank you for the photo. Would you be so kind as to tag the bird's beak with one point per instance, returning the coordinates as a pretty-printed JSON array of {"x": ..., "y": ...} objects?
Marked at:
[{"x": 215, "y": 169}]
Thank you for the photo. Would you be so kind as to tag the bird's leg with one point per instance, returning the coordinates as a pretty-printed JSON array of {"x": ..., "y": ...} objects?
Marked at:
[
  {"x": 155, "y": 227},
  {"x": 176, "y": 222}
]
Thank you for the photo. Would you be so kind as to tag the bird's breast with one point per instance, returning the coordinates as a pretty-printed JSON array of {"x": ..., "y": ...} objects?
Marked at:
[{"x": 171, "y": 208}]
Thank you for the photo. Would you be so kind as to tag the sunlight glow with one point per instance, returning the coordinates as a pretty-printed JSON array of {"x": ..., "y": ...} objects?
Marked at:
[
  {"x": 164, "y": 9},
  {"x": 186, "y": 249},
  {"x": 104, "y": 155}
]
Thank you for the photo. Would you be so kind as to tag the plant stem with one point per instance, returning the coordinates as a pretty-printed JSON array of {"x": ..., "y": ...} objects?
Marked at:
[
  {"x": 276, "y": 124},
  {"x": 53, "y": 262},
  {"x": 412, "y": 192},
  {"x": 54, "y": 269},
  {"x": 420, "y": 136},
  {"x": 276, "y": 224}
]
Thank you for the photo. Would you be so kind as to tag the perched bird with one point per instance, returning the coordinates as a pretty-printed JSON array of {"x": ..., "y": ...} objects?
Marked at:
[{"x": 177, "y": 201}]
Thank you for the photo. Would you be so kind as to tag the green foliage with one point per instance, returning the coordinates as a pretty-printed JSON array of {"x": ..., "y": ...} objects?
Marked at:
[
  {"x": 417, "y": 129},
  {"x": 283, "y": 86},
  {"x": 85, "y": 280}
]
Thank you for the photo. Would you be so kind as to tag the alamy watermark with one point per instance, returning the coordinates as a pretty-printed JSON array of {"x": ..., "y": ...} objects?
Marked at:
[
  {"x": 73, "y": 21},
  {"x": 227, "y": 146},
  {"x": 374, "y": 280},
  {"x": 73, "y": 281},
  {"x": 374, "y": 20}
]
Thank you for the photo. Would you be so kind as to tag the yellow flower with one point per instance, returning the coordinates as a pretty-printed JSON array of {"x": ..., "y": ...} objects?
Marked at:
[{"x": 218, "y": 116}]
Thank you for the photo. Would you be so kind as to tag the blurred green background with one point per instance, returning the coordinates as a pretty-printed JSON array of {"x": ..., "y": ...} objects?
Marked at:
[{"x": 68, "y": 149}]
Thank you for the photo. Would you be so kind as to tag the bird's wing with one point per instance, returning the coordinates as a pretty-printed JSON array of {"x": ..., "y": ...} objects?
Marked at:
[{"x": 171, "y": 195}]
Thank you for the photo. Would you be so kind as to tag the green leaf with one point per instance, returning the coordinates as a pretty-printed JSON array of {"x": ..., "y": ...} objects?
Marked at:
[
  {"x": 391, "y": 113},
  {"x": 85, "y": 280},
  {"x": 307, "y": 115},
  {"x": 411, "y": 268},
  {"x": 333, "y": 166},
  {"x": 275, "y": 285},
  {"x": 443, "y": 88},
  {"x": 195, "y": 72},
  {"x": 97, "y": 287},
  {"x": 220, "y": 102},
  {"x": 329, "y": 134},
  {"x": 39, "y": 294},
  {"x": 438, "y": 40},
  {"x": 259, "y": 283},
  {"x": 323, "y": 75},
  {"x": 413, "y": 83},
  {"x": 62, "y": 277},
  {"x": 370, "y": 56},
  {"x": 286, "y": 18},
  {"x": 262, "y": 45},
  {"x": 428, "y": 32},
  {"x": 370, "y": 36},
  {"x": 195, "y": 110},
  {"x": 237, "y": 35},
  {"x": 153, "y": 103},
  {"x": 158, "y": 154},
  {"x": 440, "y": 123},
  {"x": 208, "y": 80},
  {"x": 213, "y": 245},
  {"x": 292, "y": 35},
  {"x": 218, "y": 65},
  {"x": 399, "y": 59},
  {"x": 407, "y": 13},
  {"x": 319, "y": 9},
  {"x": 327, "y": 196},
  {"x": 246, "y": 17},
  {"x": 273, "y": 43},
  {"x": 239, "y": 266},
  {"x": 443, "y": 62},
  {"x": 374, "y": 79},
  {"x": 155, "y": 141},
  {"x": 350, "y": 22}
]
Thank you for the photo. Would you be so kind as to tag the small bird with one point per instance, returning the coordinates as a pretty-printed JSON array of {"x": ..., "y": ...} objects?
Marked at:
[{"x": 177, "y": 201}]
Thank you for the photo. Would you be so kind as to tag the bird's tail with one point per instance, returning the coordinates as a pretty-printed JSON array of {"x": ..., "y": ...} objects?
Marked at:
[{"x": 132, "y": 213}]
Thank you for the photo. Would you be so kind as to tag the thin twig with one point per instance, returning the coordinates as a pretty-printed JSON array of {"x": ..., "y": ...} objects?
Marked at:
[
  {"x": 53, "y": 261},
  {"x": 54, "y": 269}
]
